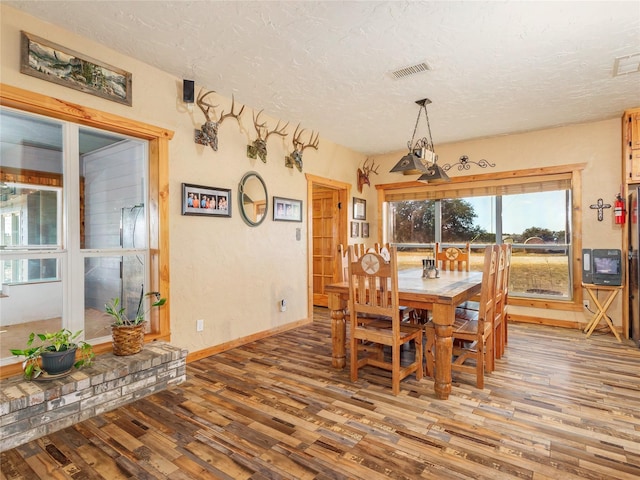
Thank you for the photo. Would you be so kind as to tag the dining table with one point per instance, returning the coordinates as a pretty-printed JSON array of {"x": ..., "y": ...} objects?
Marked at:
[{"x": 440, "y": 295}]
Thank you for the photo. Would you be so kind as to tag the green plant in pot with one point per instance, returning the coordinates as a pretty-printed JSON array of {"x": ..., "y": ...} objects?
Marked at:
[
  {"x": 56, "y": 354},
  {"x": 128, "y": 333}
]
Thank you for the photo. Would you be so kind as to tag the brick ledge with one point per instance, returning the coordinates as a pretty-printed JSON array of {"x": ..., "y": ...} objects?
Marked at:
[{"x": 32, "y": 409}]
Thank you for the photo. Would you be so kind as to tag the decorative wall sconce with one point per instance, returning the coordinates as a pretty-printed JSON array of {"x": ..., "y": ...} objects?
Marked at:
[
  {"x": 465, "y": 164},
  {"x": 364, "y": 172},
  {"x": 259, "y": 146},
  {"x": 298, "y": 147},
  {"x": 422, "y": 158},
  {"x": 208, "y": 133}
]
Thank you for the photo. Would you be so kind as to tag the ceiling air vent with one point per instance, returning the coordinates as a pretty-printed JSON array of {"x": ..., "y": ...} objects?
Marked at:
[
  {"x": 410, "y": 70},
  {"x": 627, "y": 64}
]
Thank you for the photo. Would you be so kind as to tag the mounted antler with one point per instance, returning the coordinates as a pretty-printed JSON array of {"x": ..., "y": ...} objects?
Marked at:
[
  {"x": 259, "y": 145},
  {"x": 299, "y": 147},
  {"x": 363, "y": 174},
  {"x": 231, "y": 114},
  {"x": 208, "y": 133}
]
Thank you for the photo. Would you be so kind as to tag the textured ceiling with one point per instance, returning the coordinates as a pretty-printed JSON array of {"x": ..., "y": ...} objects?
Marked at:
[{"x": 496, "y": 67}]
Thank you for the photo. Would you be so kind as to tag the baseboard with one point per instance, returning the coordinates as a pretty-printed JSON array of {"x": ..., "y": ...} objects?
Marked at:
[
  {"x": 223, "y": 347},
  {"x": 546, "y": 321}
]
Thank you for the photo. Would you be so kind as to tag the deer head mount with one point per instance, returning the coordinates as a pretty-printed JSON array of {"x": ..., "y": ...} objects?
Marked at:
[
  {"x": 364, "y": 172},
  {"x": 259, "y": 146},
  {"x": 208, "y": 133},
  {"x": 295, "y": 158}
]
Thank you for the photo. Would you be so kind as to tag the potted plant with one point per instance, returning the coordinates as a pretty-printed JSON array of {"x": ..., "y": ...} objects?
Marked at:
[
  {"x": 128, "y": 333},
  {"x": 56, "y": 354}
]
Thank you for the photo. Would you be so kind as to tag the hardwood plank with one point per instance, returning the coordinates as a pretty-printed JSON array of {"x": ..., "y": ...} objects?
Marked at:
[{"x": 558, "y": 406}]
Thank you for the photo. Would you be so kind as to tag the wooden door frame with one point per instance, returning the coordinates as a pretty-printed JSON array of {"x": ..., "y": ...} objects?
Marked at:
[{"x": 344, "y": 193}]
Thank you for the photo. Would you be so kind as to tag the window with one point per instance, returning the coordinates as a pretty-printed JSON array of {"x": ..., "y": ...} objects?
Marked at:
[
  {"x": 74, "y": 217},
  {"x": 534, "y": 214}
]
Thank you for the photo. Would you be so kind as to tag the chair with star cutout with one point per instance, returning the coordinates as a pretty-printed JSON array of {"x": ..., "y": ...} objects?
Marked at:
[
  {"x": 453, "y": 258},
  {"x": 375, "y": 319}
]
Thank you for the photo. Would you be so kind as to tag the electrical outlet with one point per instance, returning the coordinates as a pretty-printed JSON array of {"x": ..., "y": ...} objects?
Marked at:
[
  {"x": 199, "y": 325},
  {"x": 585, "y": 304},
  {"x": 283, "y": 305}
]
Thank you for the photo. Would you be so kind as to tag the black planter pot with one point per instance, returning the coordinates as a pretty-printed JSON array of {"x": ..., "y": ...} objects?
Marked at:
[{"x": 55, "y": 363}]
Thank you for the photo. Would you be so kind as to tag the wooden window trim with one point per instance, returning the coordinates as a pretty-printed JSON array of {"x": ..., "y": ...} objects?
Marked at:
[
  {"x": 513, "y": 177},
  {"x": 158, "y": 139}
]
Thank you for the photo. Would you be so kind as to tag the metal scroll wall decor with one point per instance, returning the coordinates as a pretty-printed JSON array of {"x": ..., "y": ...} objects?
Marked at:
[
  {"x": 464, "y": 163},
  {"x": 208, "y": 133},
  {"x": 295, "y": 158},
  {"x": 364, "y": 172},
  {"x": 258, "y": 148}
]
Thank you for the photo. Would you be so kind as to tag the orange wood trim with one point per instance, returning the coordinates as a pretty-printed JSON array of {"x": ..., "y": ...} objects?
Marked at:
[
  {"x": 489, "y": 177},
  {"x": 158, "y": 183},
  {"x": 20, "y": 99},
  {"x": 33, "y": 177},
  {"x": 566, "y": 305},
  {"x": 344, "y": 194},
  {"x": 546, "y": 321},
  {"x": 576, "y": 238},
  {"x": 576, "y": 231}
]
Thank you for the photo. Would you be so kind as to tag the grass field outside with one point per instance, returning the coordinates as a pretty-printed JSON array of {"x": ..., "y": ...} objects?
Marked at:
[{"x": 532, "y": 274}]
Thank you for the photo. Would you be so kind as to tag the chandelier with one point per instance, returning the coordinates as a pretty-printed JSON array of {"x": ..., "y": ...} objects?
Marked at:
[{"x": 421, "y": 159}]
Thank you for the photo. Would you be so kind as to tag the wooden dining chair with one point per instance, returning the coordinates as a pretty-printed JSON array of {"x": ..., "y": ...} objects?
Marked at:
[
  {"x": 359, "y": 249},
  {"x": 379, "y": 246},
  {"x": 453, "y": 258},
  {"x": 342, "y": 267},
  {"x": 502, "y": 296},
  {"x": 472, "y": 329},
  {"x": 342, "y": 264},
  {"x": 373, "y": 292},
  {"x": 498, "y": 303}
]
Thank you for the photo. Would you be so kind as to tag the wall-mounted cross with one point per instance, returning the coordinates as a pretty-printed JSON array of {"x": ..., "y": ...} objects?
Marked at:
[{"x": 600, "y": 205}]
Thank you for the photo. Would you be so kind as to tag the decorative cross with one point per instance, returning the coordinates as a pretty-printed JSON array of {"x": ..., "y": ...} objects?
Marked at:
[{"x": 600, "y": 205}]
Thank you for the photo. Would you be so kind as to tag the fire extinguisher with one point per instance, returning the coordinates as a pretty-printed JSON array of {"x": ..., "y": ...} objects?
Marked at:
[{"x": 619, "y": 211}]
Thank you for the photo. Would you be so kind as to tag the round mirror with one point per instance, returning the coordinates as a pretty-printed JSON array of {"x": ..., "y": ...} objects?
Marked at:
[{"x": 253, "y": 199}]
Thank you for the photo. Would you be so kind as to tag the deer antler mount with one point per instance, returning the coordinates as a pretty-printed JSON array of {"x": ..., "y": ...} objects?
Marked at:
[
  {"x": 208, "y": 133},
  {"x": 259, "y": 146},
  {"x": 364, "y": 172},
  {"x": 298, "y": 147}
]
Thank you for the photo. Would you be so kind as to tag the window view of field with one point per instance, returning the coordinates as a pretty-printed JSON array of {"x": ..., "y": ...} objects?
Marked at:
[
  {"x": 535, "y": 224},
  {"x": 532, "y": 273}
]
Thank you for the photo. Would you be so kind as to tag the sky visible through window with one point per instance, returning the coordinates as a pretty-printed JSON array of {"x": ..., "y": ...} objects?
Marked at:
[{"x": 542, "y": 210}]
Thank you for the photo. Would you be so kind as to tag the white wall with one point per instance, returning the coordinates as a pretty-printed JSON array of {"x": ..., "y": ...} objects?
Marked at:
[{"x": 42, "y": 301}]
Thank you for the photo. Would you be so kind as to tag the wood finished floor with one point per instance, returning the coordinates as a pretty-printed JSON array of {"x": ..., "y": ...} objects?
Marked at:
[{"x": 559, "y": 406}]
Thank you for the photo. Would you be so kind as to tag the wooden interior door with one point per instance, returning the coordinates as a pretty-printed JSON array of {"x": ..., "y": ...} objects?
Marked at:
[{"x": 325, "y": 239}]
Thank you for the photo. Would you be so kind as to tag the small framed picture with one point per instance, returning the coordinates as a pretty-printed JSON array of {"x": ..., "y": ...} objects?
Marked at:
[
  {"x": 359, "y": 209},
  {"x": 365, "y": 230},
  {"x": 287, "y": 210},
  {"x": 207, "y": 201},
  {"x": 355, "y": 229}
]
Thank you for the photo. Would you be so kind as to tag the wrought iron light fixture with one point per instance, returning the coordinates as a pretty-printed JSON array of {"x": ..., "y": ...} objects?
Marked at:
[{"x": 422, "y": 158}]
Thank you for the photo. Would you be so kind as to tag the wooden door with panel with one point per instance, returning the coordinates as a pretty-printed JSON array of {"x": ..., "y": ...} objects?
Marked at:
[{"x": 324, "y": 227}]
